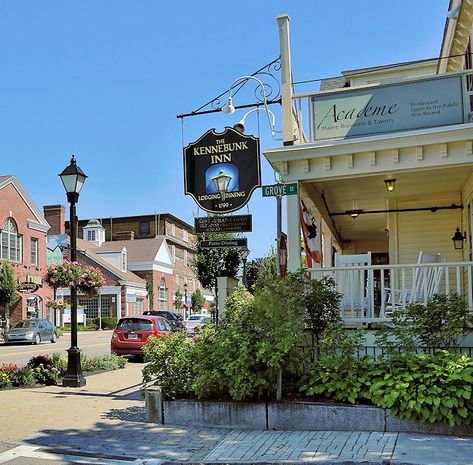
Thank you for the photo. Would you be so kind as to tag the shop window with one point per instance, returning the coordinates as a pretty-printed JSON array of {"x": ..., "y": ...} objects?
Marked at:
[
  {"x": 162, "y": 296},
  {"x": 34, "y": 251},
  {"x": 10, "y": 245}
]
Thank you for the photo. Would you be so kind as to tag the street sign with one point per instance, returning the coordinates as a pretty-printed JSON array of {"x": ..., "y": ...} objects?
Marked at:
[
  {"x": 224, "y": 243},
  {"x": 218, "y": 224},
  {"x": 278, "y": 177},
  {"x": 280, "y": 189}
]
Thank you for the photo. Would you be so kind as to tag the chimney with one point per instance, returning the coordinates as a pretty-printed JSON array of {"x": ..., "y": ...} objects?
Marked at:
[
  {"x": 55, "y": 216},
  {"x": 125, "y": 235}
]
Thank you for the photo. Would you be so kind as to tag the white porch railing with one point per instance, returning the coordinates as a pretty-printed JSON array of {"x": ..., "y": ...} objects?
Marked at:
[{"x": 371, "y": 293}]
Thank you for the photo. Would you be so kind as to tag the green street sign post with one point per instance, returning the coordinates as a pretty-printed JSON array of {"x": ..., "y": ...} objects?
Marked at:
[{"x": 279, "y": 190}]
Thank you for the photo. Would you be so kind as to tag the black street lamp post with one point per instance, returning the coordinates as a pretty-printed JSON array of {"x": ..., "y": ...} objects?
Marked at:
[
  {"x": 73, "y": 179},
  {"x": 185, "y": 300},
  {"x": 244, "y": 255}
]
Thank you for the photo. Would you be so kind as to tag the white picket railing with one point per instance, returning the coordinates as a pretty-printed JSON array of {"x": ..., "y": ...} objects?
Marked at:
[{"x": 371, "y": 293}]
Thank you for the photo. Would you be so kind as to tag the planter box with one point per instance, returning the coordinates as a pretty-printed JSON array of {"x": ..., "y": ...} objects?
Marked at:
[
  {"x": 312, "y": 416},
  {"x": 284, "y": 416},
  {"x": 239, "y": 415}
]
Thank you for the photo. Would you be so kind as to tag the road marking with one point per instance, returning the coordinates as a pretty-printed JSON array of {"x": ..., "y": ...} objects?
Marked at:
[
  {"x": 35, "y": 452},
  {"x": 55, "y": 349}
]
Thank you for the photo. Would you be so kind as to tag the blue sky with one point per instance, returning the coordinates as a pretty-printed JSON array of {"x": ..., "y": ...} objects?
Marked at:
[{"x": 105, "y": 80}]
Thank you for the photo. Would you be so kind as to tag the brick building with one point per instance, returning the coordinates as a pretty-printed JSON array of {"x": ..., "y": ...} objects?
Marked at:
[
  {"x": 23, "y": 231},
  {"x": 179, "y": 237}
]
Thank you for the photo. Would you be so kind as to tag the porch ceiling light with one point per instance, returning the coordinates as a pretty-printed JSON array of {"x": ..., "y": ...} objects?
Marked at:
[
  {"x": 458, "y": 239},
  {"x": 354, "y": 213},
  {"x": 390, "y": 184}
]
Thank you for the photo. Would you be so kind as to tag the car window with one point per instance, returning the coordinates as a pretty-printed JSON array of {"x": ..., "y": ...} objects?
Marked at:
[
  {"x": 25, "y": 324},
  {"x": 135, "y": 324},
  {"x": 163, "y": 325},
  {"x": 194, "y": 317}
]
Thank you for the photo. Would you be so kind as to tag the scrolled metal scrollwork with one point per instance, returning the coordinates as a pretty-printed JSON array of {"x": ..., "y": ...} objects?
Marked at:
[{"x": 268, "y": 88}]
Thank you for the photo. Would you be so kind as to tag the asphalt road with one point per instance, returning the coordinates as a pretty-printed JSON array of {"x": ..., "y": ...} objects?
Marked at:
[{"x": 92, "y": 343}]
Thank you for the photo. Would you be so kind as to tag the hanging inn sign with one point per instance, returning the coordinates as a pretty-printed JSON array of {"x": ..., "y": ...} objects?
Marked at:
[{"x": 221, "y": 170}]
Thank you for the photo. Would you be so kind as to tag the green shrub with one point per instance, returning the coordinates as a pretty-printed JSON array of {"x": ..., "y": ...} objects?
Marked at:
[
  {"x": 59, "y": 331},
  {"x": 103, "y": 363},
  {"x": 109, "y": 322},
  {"x": 22, "y": 377},
  {"x": 421, "y": 387},
  {"x": 440, "y": 323},
  {"x": 426, "y": 388},
  {"x": 45, "y": 369},
  {"x": 170, "y": 364},
  {"x": 258, "y": 336},
  {"x": 337, "y": 373},
  {"x": 16, "y": 376},
  {"x": 5, "y": 380}
]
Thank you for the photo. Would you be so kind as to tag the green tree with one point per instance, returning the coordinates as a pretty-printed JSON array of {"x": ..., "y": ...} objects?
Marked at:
[
  {"x": 209, "y": 264},
  {"x": 8, "y": 284},
  {"x": 198, "y": 301},
  {"x": 177, "y": 299},
  {"x": 150, "y": 289}
]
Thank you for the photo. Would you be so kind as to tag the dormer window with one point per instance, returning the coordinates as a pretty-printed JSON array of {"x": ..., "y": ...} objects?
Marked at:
[{"x": 91, "y": 235}]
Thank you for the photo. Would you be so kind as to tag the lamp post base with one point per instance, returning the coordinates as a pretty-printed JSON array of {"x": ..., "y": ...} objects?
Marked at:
[{"x": 73, "y": 376}]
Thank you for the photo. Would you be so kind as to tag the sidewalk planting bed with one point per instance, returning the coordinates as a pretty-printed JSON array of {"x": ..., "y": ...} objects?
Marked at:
[
  {"x": 286, "y": 341},
  {"x": 49, "y": 370}
]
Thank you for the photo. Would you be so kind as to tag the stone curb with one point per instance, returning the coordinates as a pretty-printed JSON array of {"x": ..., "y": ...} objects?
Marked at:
[{"x": 280, "y": 416}]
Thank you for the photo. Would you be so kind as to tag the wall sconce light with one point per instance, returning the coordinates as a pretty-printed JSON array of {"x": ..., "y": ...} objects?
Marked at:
[
  {"x": 390, "y": 184},
  {"x": 458, "y": 239}
]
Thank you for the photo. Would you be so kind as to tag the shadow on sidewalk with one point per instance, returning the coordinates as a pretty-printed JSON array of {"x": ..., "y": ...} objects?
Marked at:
[{"x": 131, "y": 439}]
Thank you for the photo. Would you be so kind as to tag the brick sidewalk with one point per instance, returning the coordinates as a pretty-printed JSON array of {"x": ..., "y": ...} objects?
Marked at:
[{"x": 105, "y": 419}]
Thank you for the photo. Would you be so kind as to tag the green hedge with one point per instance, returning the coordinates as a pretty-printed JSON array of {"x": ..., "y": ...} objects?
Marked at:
[{"x": 422, "y": 387}]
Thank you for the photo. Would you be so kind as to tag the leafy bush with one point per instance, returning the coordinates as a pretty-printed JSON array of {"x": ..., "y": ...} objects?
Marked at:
[
  {"x": 257, "y": 337},
  {"x": 5, "y": 380},
  {"x": 170, "y": 364},
  {"x": 108, "y": 322},
  {"x": 46, "y": 369},
  {"x": 17, "y": 376},
  {"x": 422, "y": 387},
  {"x": 22, "y": 377},
  {"x": 440, "y": 323},
  {"x": 104, "y": 363},
  {"x": 337, "y": 373}
]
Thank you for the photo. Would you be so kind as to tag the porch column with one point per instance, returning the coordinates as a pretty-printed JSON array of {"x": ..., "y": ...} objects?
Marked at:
[
  {"x": 293, "y": 233},
  {"x": 286, "y": 81}
]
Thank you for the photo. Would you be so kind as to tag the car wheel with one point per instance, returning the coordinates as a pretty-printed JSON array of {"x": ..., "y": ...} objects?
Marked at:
[
  {"x": 54, "y": 338},
  {"x": 37, "y": 339}
]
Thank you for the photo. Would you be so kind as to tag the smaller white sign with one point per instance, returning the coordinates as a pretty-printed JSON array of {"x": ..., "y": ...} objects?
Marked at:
[{"x": 67, "y": 315}]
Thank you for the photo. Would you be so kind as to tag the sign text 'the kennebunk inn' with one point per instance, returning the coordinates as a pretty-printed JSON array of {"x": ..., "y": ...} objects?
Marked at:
[{"x": 221, "y": 170}]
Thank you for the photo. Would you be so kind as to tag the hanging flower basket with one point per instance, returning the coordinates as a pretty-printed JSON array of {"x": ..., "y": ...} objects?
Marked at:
[
  {"x": 85, "y": 278},
  {"x": 57, "y": 304}
]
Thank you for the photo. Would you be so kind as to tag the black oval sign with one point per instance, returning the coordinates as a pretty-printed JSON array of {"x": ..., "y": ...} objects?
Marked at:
[
  {"x": 221, "y": 170},
  {"x": 27, "y": 288}
]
